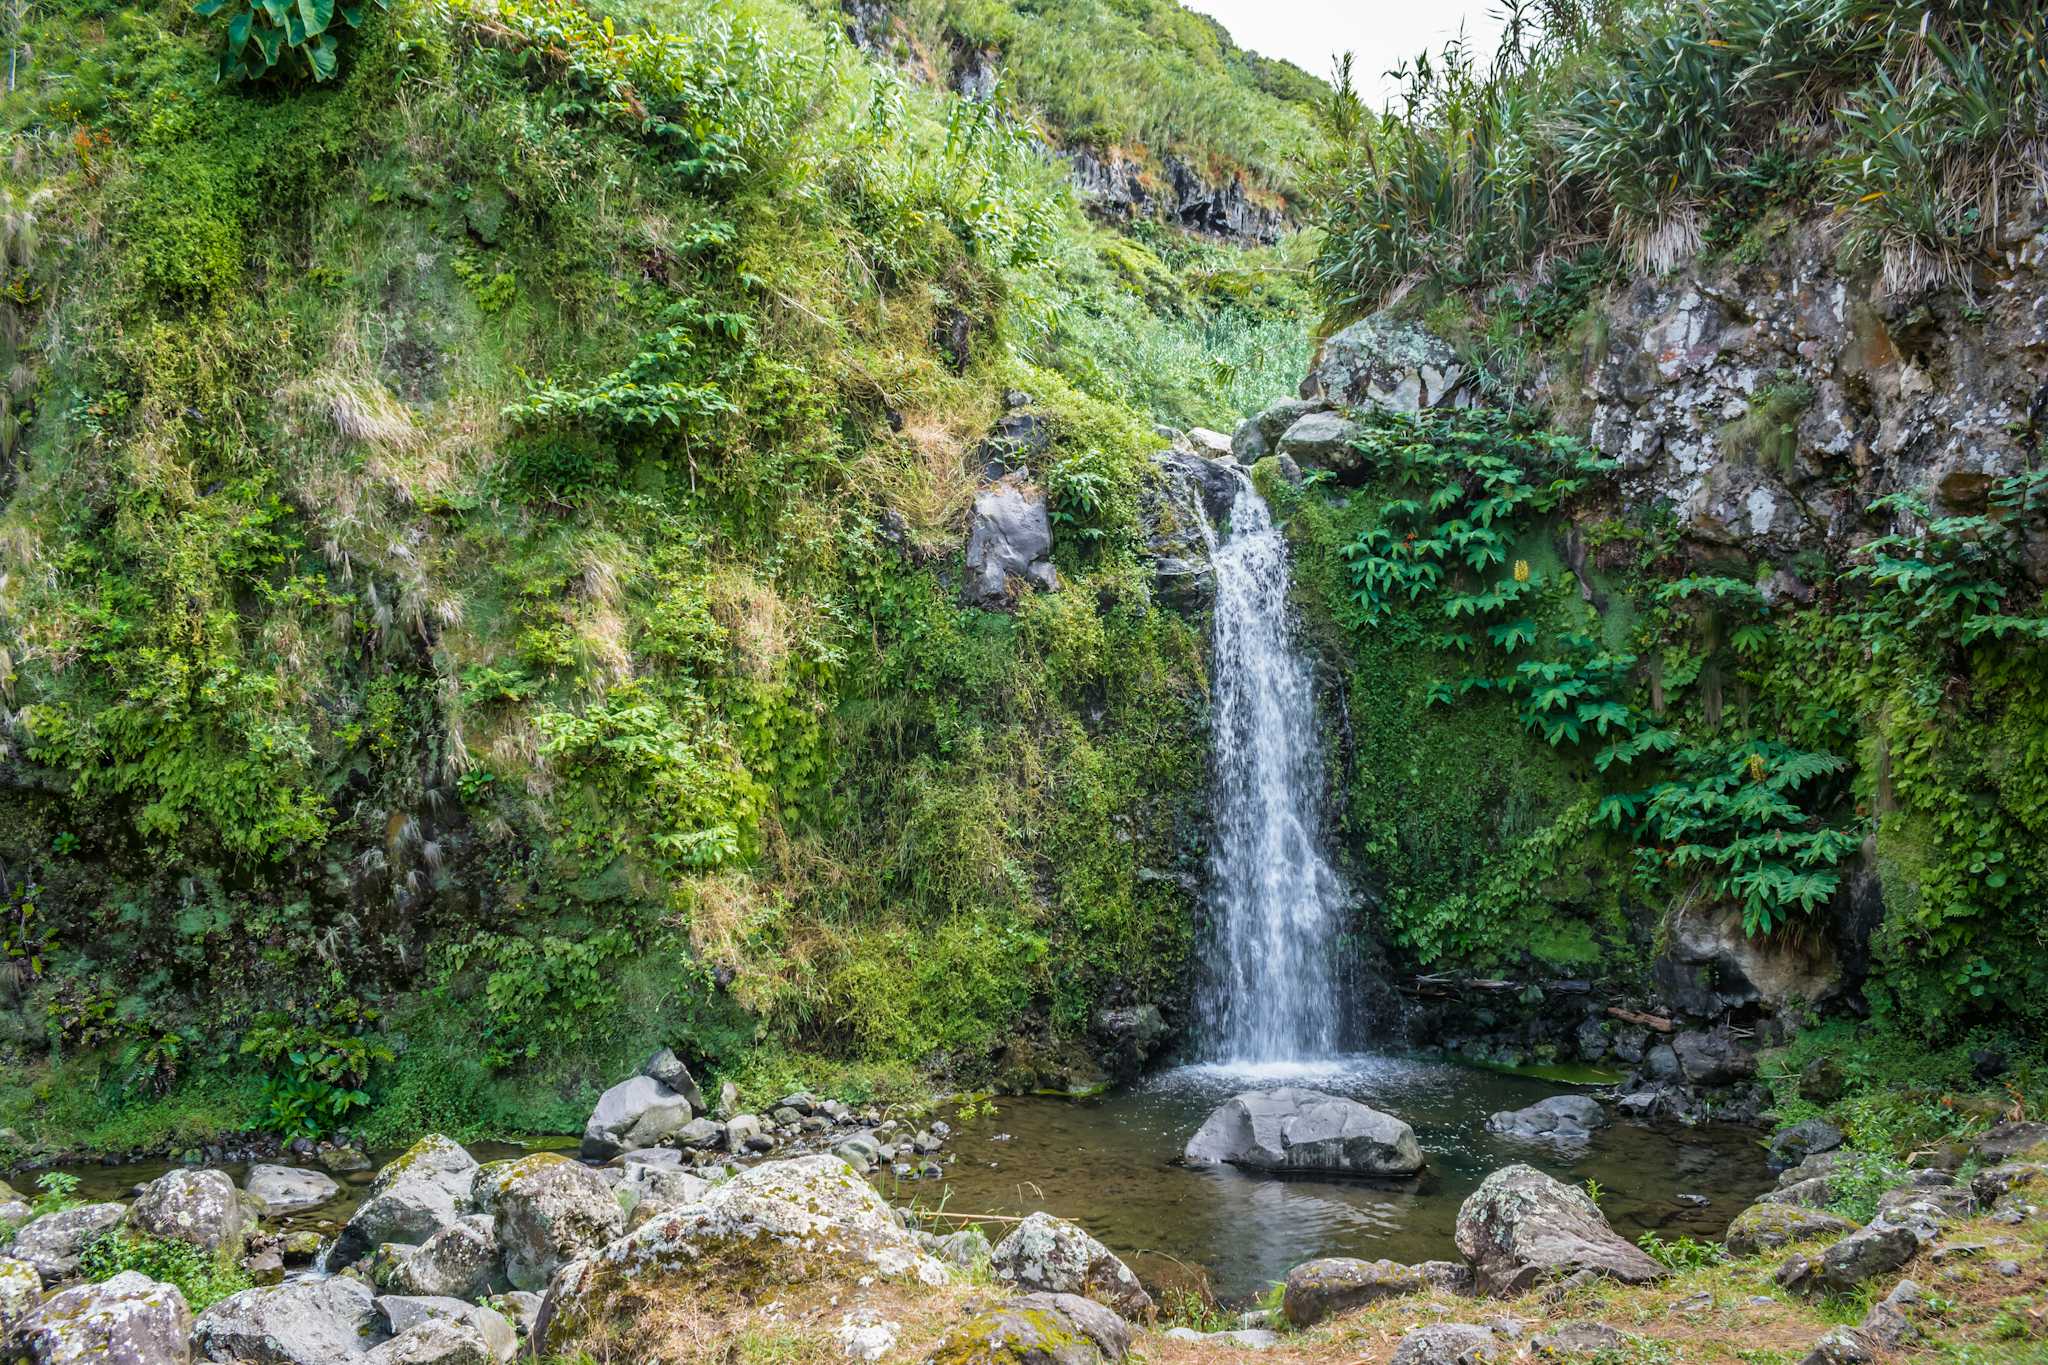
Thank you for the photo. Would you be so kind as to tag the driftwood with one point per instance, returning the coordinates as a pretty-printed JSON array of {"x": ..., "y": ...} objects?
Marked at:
[{"x": 1657, "y": 1022}]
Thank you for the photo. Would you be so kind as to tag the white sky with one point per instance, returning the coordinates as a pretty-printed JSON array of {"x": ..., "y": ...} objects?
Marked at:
[{"x": 1310, "y": 33}]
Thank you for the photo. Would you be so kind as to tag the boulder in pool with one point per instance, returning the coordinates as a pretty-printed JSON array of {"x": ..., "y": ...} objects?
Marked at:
[
  {"x": 290, "y": 1189},
  {"x": 1305, "y": 1132},
  {"x": 1569, "y": 1117},
  {"x": 1521, "y": 1228}
]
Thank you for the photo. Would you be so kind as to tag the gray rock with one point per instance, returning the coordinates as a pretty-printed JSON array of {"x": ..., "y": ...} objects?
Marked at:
[
  {"x": 439, "y": 1341},
  {"x": 21, "y": 1289},
  {"x": 2010, "y": 1141},
  {"x": 299, "y": 1322},
  {"x": 1924, "y": 1209},
  {"x": 1713, "y": 1058},
  {"x": 518, "y": 1307},
  {"x": 1209, "y": 444},
  {"x": 667, "y": 1068},
  {"x": 1521, "y": 1228},
  {"x": 1296, "y": 1130},
  {"x": 551, "y": 1210},
  {"x": 1039, "y": 1329},
  {"x": 814, "y": 1202},
  {"x": 129, "y": 1319},
  {"x": 1049, "y": 1254},
  {"x": 1591, "y": 1040},
  {"x": 656, "y": 1189},
  {"x": 1858, "y": 1258},
  {"x": 965, "y": 1249},
  {"x": 1771, "y": 1227},
  {"x": 411, "y": 1199},
  {"x": 699, "y": 1134},
  {"x": 1889, "y": 1322},
  {"x": 637, "y": 1112},
  {"x": 54, "y": 1242},
  {"x": 1816, "y": 1166},
  {"x": 1241, "y": 1338},
  {"x": 1578, "y": 1340},
  {"x": 1009, "y": 541},
  {"x": 342, "y": 1160},
  {"x": 289, "y": 1189},
  {"x": 1660, "y": 1061},
  {"x": 1380, "y": 362},
  {"x": 1815, "y": 1193},
  {"x": 1839, "y": 1346},
  {"x": 1322, "y": 440},
  {"x": 1321, "y": 1289},
  {"x": 1130, "y": 1034},
  {"x": 740, "y": 1130},
  {"x": 404, "y": 1313},
  {"x": 1802, "y": 1140},
  {"x": 1989, "y": 1184},
  {"x": 1560, "y": 1116},
  {"x": 460, "y": 1261},
  {"x": 1248, "y": 444},
  {"x": 1452, "y": 1343},
  {"x": 1710, "y": 964},
  {"x": 859, "y": 1150}
]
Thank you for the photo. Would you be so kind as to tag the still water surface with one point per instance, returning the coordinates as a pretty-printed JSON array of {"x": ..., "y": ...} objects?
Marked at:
[{"x": 1112, "y": 1165}]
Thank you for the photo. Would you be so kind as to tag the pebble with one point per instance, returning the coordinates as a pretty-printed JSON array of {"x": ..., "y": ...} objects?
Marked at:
[
  {"x": 2006, "y": 1268},
  {"x": 1694, "y": 1201}
]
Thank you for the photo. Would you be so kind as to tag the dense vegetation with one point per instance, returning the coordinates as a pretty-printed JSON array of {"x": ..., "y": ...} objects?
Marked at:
[
  {"x": 1140, "y": 78},
  {"x": 1659, "y": 126},
  {"x": 1547, "y": 755},
  {"x": 480, "y": 584}
]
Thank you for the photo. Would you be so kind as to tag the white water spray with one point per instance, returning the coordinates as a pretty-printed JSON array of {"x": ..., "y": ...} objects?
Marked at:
[{"x": 1271, "y": 989}]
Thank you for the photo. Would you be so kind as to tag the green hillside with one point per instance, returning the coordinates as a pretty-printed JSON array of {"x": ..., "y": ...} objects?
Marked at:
[{"x": 480, "y": 568}]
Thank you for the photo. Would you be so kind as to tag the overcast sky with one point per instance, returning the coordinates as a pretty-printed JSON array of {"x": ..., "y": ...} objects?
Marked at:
[{"x": 1382, "y": 32}]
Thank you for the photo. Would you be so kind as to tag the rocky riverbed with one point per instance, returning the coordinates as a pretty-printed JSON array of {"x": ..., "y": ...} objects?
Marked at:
[{"x": 671, "y": 1217}]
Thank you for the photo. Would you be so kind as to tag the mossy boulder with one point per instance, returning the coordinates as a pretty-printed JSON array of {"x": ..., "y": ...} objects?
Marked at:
[
  {"x": 200, "y": 1207},
  {"x": 54, "y": 1242},
  {"x": 1770, "y": 1227},
  {"x": 1037, "y": 1329},
  {"x": 413, "y": 1198},
  {"x": 1323, "y": 1288},
  {"x": 550, "y": 1211},
  {"x": 1054, "y": 1256},
  {"x": 129, "y": 1319}
]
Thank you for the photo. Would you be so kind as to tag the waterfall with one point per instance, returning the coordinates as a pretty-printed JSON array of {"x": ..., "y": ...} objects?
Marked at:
[{"x": 1270, "y": 992}]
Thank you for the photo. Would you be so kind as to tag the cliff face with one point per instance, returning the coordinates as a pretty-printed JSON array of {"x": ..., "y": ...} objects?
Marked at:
[
  {"x": 1800, "y": 567},
  {"x": 1767, "y": 397}
]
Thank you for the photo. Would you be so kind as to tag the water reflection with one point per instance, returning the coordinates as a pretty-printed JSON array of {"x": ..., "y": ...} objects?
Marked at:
[{"x": 1112, "y": 1164}]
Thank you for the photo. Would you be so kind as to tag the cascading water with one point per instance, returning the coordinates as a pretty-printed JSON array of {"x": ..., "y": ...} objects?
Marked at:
[{"x": 1277, "y": 905}]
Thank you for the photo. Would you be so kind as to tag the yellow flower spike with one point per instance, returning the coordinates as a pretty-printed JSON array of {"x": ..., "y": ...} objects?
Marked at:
[
  {"x": 1521, "y": 571},
  {"x": 1756, "y": 767}
]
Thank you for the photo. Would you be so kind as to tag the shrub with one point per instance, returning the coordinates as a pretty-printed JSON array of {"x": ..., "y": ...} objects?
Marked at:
[{"x": 203, "y": 1277}]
